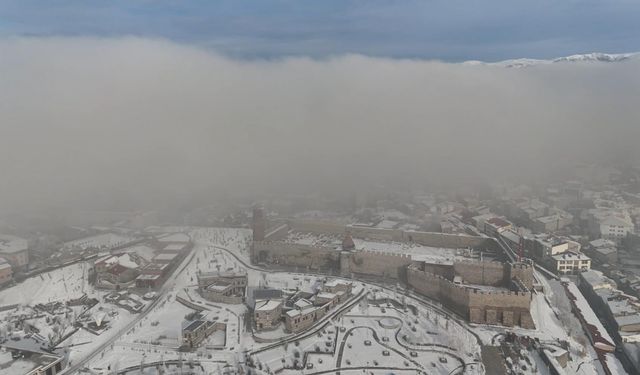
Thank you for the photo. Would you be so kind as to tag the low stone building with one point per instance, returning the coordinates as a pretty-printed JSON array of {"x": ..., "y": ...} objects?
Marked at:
[
  {"x": 6, "y": 272},
  {"x": 267, "y": 313},
  {"x": 603, "y": 250},
  {"x": 308, "y": 309},
  {"x": 146, "y": 281},
  {"x": 303, "y": 317},
  {"x": 152, "y": 275},
  {"x": 166, "y": 258},
  {"x": 30, "y": 355},
  {"x": 112, "y": 270},
  {"x": 608, "y": 255},
  {"x": 223, "y": 287},
  {"x": 326, "y": 299},
  {"x": 15, "y": 250},
  {"x": 336, "y": 285},
  {"x": 197, "y": 328}
]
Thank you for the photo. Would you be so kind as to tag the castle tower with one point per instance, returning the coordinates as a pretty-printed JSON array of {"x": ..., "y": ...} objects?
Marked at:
[
  {"x": 347, "y": 242},
  {"x": 258, "y": 223},
  {"x": 523, "y": 272}
]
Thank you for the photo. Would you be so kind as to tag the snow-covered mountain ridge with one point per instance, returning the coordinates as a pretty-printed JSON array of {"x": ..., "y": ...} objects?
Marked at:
[{"x": 587, "y": 57}]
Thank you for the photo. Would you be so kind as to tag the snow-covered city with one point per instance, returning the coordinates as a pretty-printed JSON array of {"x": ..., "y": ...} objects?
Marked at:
[
  {"x": 335, "y": 187},
  {"x": 315, "y": 293}
]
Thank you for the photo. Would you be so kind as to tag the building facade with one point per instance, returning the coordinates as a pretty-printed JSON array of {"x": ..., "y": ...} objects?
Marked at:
[
  {"x": 267, "y": 314},
  {"x": 6, "y": 272},
  {"x": 223, "y": 287},
  {"x": 15, "y": 250}
]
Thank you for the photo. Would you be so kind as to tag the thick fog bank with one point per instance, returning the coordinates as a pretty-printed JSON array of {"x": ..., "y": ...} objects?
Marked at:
[{"x": 130, "y": 120}]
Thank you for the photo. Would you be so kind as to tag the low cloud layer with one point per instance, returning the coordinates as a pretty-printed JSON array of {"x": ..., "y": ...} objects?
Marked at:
[{"x": 91, "y": 120}]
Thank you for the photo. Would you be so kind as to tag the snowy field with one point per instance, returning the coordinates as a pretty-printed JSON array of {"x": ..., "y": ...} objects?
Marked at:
[
  {"x": 417, "y": 252},
  {"x": 377, "y": 336},
  {"x": 156, "y": 337},
  {"x": 58, "y": 285},
  {"x": 100, "y": 241}
]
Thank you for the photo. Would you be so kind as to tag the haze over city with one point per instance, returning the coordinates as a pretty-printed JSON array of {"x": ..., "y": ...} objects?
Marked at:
[{"x": 87, "y": 117}]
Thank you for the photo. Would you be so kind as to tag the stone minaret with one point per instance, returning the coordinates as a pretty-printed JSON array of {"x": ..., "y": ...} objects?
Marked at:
[{"x": 258, "y": 224}]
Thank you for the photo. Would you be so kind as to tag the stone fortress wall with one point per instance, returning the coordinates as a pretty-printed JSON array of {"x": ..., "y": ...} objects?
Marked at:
[
  {"x": 506, "y": 308},
  {"x": 433, "y": 280},
  {"x": 271, "y": 250},
  {"x": 386, "y": 265},
  {"x": 295, "y": 255}
]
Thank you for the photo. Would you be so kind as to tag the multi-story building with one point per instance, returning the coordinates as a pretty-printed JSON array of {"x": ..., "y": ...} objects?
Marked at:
[
  {"x": 570, "y": 263},
  {"x": 526, "y": 210},
  {"x": 267, "y": 313},
  {"x": 496, "y": 225},
  {"x": 116, "y": 269},
  {"x": 15, "y": 250},
  {"x": 197, "y": 328},
  {"x": 6, "y": 273},
  {"x": 604, "y": 251},
  {"x": 609, "y": 224},
  {"x": 551, "y": 223},
  {"x": 542, "y": 246},
  {"x": 616, "y": 227}
]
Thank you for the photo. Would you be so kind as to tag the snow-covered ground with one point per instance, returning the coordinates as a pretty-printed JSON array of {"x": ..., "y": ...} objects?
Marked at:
[
  {"x": 417, "y": 252},
  {"x": 61, "y": 284},
  {"x": 100, "y": 241},
  {"x": 406, "y": 340},
  {"x": 156, "y": 337},
  {"x": 377, "y": 336}
]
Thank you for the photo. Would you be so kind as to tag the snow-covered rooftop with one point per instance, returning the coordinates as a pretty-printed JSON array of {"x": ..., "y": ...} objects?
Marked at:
[
  {"x": 335, "y": 282},
  {"x": 267, "y": 305},
  {"x": 326, "y": 295},
  {"x": 311, "y": 239},
  {"x": 105, "y": 240},
  {"x": 175, "y": 237},
  {"x": 174, "y": 247},
  {"x": 302, "y": 303},
  {"x": 165, "y": 256},
  {"x": 597, "y": 280},
  {"x": 12, "y": 244},
  {"x": 570, "y": 255},
  {"x": 626, "y": 320},
  {"x": 124, "y": 260},
  {"x": 599, "y": 334},
  {"x": 602, "y": 242},
  {"x": 294, "y": 312}
]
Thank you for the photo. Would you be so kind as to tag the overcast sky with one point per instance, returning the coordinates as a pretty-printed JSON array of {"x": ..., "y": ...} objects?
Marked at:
[
  {"x": 450, "y": 30},
  {"x": 86, "y": 120}
]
